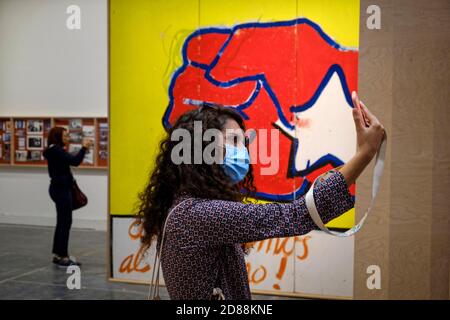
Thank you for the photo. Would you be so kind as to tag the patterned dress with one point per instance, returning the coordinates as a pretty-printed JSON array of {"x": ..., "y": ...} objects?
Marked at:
[{"x": 202, "y": 248}]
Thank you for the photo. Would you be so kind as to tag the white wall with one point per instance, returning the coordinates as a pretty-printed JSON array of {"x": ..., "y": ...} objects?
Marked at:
[
  {"x": 49, "y": 70},
  {"x": 24, "y": 198}
]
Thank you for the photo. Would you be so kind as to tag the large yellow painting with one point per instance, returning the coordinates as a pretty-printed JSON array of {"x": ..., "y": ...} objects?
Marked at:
[
  {"x": 285, "y": 65},
  {"x": 147, "y": 39}
]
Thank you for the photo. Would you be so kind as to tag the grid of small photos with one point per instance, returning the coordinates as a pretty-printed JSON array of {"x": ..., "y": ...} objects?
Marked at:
[
  {"x": 5, "y": 140},
  {"x": 23, "y": 140},
  {"x": 103, "y": 142},
  {"x": 30, "y": 139},
  {"x": 79, "y": 130}
]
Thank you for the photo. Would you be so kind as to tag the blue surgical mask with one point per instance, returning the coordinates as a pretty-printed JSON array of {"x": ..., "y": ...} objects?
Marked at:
[{"x": 236, "y": 162}]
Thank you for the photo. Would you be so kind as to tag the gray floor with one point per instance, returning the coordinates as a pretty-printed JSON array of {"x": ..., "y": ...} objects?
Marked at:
[{"x": 26, "y": 271}]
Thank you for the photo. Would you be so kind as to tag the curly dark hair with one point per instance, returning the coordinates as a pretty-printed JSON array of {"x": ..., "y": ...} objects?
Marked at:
[{"x": 207, "y": 181}]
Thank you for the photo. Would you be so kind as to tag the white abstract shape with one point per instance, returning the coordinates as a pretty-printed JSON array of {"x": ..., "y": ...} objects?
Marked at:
[{"x": 326, "y": 127}]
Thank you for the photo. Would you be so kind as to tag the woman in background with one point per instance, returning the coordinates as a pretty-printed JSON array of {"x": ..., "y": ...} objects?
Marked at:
[{"x": 59, "y": 162}]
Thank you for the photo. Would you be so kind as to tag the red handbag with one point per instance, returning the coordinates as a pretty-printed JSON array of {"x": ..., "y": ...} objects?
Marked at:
[{"x": 79, "y": 199}]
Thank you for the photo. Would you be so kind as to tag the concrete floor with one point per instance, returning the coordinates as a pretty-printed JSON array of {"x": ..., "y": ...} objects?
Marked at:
[{"x": 27, "y": 273}]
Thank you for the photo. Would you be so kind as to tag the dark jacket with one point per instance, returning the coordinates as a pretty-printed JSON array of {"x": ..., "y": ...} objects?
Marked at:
[{"x": 59, "y": 162}]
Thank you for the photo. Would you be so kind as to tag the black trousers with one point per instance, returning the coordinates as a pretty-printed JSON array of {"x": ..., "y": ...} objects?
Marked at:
[{"x": 62, "y": 196}]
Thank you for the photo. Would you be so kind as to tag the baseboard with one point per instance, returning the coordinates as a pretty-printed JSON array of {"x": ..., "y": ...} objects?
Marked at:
[{"x": 78, "y": 223}]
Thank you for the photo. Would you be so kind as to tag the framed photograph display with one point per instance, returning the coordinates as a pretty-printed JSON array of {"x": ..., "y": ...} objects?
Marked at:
[
  {"x": 5, "y": 140},
  {"x": 35, "y": 126},
  {"x": 24, "y": 139},
  {"x": 102, "y": 142},
  {"x": 79, "y": 129},
  {"x": 30, "y": 140},
  {"x": 35, "y": 142}
]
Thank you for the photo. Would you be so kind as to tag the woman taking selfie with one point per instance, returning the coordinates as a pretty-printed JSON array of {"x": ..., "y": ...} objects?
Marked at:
[
  {"x": 202, "y": 256},
  {"x": 59, "y": 162}
]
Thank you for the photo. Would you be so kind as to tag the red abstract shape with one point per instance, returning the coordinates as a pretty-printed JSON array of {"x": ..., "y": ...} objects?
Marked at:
[{"x": 263, "y": 70}]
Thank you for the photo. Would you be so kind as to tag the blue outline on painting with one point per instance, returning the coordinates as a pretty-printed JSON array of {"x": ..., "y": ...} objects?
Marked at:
[{"x": 261, "y": 82}]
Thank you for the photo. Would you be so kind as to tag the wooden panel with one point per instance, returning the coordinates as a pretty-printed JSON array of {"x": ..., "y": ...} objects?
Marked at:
[
  {"x": 440, "y": 225},
  {"x": 409, "y": 231},
  {"x": 420, "y": 34},
  {"x": 375, "y": 88}
]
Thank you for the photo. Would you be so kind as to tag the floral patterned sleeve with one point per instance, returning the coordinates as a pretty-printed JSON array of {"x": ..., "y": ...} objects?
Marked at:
[{"x": 216, "y": 222}]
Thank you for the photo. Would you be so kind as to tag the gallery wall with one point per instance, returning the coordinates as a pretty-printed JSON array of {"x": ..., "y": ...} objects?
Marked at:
[{"x": 47, "y": 69}]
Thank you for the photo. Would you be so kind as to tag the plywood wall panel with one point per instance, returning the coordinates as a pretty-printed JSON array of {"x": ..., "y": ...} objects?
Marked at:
[
  {"x": 375, "y": 88},
  {"x": 408, "y": 234}
]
